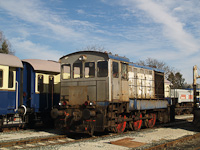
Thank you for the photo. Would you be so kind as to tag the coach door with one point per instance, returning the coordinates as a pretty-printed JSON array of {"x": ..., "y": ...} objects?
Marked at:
[
  {"x": 116, "y": 88},
  {"x": 51, "y": 89}
]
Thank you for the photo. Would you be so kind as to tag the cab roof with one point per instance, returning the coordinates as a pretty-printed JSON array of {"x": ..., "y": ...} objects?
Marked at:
[
  {"x": 108, "y": 55},
  {"x": 43, "y": 65},
  {"x": 10, "y": 60}
]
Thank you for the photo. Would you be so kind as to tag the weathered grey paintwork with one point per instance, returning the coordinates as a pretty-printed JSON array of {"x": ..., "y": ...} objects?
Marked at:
[
  {"x": 142, "y": 82},
  {"x": 99, "y": 89}
]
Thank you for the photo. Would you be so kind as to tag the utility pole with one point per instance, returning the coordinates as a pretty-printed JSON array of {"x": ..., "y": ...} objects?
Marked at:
[
  {"x": 195, "y": 77},
  {"x": 196, "y": 110}
]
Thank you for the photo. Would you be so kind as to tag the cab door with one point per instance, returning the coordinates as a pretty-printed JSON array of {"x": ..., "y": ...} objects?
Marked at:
[
  {"x": 124, "y": 82},
  {"x": 116, "y": 84}
]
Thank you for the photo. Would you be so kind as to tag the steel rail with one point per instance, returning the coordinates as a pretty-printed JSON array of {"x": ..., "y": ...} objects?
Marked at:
[
  {"x": 172, "y": 143},
  {"x": 31, "y": 141}
]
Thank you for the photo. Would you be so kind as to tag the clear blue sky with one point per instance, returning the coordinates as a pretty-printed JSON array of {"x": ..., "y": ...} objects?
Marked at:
[{"x": 167, "y": 30}]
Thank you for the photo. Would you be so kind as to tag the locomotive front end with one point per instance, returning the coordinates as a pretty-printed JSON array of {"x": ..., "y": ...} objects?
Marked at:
[{"x": 84, "y": 85}]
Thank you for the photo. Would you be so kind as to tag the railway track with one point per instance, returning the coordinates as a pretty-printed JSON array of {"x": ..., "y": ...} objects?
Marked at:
[
  {"x": 175, "y": 142},
  {"x": 9, "y": 129},
  {"x": 44, "y": 141},
  {"x": 37, "y": 142},
  {"x": 66, "y": 139}
]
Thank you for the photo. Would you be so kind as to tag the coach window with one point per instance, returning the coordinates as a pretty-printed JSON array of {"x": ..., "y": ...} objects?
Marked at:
[
  {"x": 77, "y": 70},
  {"x": 10, "y": 78},
  {"x": 66, "y": 73},
  {"x": 1, "y": 78},
  {"x": 102, "y": 69},
  {"x": 51, "y": 84},
  {"x": 89, "y": 70},
  {"x": 115, "y": 69},
  {"x": 40, "y": 83},
  {"x": 124, "y": 71}
]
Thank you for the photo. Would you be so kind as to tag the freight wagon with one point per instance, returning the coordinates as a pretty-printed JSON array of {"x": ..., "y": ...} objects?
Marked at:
[{"x": 183, "y": 100}]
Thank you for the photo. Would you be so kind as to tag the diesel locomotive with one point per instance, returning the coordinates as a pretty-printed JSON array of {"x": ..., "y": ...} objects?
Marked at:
[{"x": 101, "y": 91}]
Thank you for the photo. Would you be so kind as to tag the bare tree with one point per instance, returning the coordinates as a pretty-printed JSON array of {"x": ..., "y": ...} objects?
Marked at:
[
  {"x": 93, "y": 48},
  {"x": 5, "y": 46},
  {"x": 175, "y": 77},
  {"x": 154, "y": 63}
]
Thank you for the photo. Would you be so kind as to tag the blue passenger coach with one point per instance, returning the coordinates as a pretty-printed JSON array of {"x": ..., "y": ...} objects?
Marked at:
[
  {"x": 10, "y": 88},
  {"x": 28, "y": 90},
  {"x": 41, "y": 80}
]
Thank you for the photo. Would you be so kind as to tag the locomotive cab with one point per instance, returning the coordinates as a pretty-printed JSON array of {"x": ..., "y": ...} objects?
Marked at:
[{"x": 92, "y": 77}]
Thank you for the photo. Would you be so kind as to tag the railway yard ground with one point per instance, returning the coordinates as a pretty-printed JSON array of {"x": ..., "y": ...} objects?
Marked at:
[{"x": 179, "y": 135}]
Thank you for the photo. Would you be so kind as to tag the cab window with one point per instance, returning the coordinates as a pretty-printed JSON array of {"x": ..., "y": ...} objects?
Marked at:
[
  {"x": 66, "y": 71},
  {"x": 77, "y": 70},
  {"x": 1, "y": 78},
  {"x": 124, "y": 71},
  {"x": 115, "y": 70},
  {"x": 102, "y": 69},
  {"x": 10, "y": 78},
  {"x": 89, "y": 70}
]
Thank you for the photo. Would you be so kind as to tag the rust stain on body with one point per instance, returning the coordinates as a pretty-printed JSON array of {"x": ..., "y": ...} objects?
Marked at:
[{"x": 127, "y": 142}]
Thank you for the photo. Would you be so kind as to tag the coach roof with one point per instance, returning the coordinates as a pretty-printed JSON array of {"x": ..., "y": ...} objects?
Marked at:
[
  {"x": 10, "y": 60},
  {"x": 43, "y": 65},
  {"x": 108, "y": 55}
]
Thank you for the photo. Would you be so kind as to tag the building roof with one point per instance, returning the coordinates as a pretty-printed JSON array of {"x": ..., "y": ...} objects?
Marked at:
[
  {"x": 43, "y": 65},
  {"x": 10, "y": 60}
]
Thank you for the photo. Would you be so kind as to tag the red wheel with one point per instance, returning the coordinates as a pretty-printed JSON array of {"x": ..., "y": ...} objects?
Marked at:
[
  {"x": 151, "y": 122},
  {"x": 137, "y": 124},
  {"x": 121, "y": 126}
]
